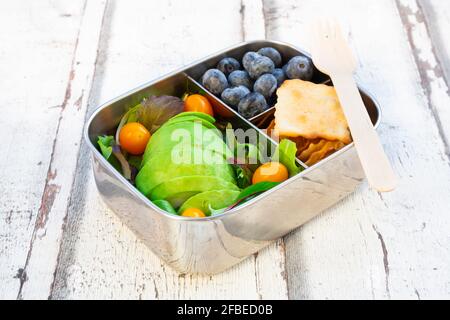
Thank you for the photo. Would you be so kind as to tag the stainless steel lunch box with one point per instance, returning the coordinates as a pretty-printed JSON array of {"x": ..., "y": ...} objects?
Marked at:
[{"x": 213, "y": 244}]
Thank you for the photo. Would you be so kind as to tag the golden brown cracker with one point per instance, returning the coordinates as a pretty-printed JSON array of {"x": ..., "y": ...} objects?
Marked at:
[{"x": 311, "y": 111}]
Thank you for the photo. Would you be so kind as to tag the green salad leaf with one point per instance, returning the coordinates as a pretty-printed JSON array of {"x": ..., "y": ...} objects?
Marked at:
[
  {"x": 255, "y": 189},
  {"x": 252, "y": 191},
  {"x": 247, "y": 194},
  {"x": 165, "y": 205},
  {"x": 243, "y": 175},
  {"x": 106, "y": 144},
  {"x": 111, "y": 152},
  {"x": 215, "y": 212},
  {"x": 286, "y": 154},
  {"x": 249, "y": 160},
  {"x": 135, "y": 161}
]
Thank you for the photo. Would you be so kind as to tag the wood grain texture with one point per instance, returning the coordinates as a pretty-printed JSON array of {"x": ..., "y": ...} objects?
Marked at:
[
  {"x": 436, "y": 16},
  {"x": 377, "y": 246},
  {"x": 96, "y": 243},
  {"x": 35, "y": 62},
  {"x": 45, "y": 243},
  {"x": 431, "y": 70}
]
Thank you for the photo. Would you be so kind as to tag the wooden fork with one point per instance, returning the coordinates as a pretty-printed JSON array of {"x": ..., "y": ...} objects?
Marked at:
[{"x": 332, "y": 55}]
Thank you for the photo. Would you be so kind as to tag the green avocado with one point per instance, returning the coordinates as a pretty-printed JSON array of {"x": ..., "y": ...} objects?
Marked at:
[
  {"x": 185, "y": 164},
  {"x": 174, "y": 130},
  {"x": 215, "y": 199},
  {"x": 163, "y": 167},
  {"x": 202, "y": 121},
  {"x": 185, "y": 134},
  {"x": 201, "y": 115},
  {"x": 178, "y": 190}
]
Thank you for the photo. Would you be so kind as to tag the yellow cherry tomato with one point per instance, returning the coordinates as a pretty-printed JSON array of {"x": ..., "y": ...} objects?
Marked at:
[
  {"x": 133, "y": 138},
  {"x": 198, "y": 103},
  {"x": 270, "y": 172},
  {"x": 193, "y": 213}
]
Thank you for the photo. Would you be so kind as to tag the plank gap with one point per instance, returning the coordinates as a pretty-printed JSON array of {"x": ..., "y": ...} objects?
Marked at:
[{"x": 411, "y": 14}]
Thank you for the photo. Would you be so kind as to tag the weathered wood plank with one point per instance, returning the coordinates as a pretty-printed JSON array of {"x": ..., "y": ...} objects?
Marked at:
[
  {"x": 368, "y": 246},
  {"x": 35, "y": 62},
  {"x": 371, "y": 245},
  {"x": 100, "y": 256},
  {"x": 428, "y": 59},
  {"x": 437, "y": 13},
  {"x": 43, "y": 254},
  {"x": 253, "y": 22}
]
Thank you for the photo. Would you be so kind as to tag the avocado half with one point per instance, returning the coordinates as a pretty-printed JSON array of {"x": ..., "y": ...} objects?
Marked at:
[
  {"x": 178, "y": 190},
  {"x": 163, "y": 167},
  {"x": 183, "y": 135},
  {"x": 185, "y": 165}
]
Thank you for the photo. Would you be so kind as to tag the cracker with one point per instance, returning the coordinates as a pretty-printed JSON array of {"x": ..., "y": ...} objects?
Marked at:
[{"x": 309, "y": 110}]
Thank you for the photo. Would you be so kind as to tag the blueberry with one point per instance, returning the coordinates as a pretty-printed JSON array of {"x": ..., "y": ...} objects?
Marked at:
[
  {"x": 252, "y": 104},
  {"x": 232, "y": 96},
  {"x": 240, "y": 78},
  {"x": 249, "y": 57},
  {"x": 215, "y": 81},
  {"x": 228, "y": 65},
  {"x": 279, "y": 75},
  {"x": 299, "y": 67},
  {"x": 259, "y": 66},
  {"x": 266, "y": 85},
  {"x": 272, "y": 54}
]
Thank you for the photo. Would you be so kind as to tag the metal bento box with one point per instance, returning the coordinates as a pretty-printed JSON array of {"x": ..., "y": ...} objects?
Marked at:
[{"x": 213, "y": 244}]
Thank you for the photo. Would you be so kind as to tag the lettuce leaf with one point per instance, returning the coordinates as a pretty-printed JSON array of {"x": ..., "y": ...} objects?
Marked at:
[
  {"x": 246, "y": 158},
  {"x": 106, "y": 144},
  {"x": 215, "y": 212},
  {"x": 243, "y": 175},
  {"x": 255, "y": 189},
  {"x": 286, "y": 154},
  {"x": 252, "y": 191},
  {"x": 111, "y": 152},
  {"x": 135, "y": 161}
]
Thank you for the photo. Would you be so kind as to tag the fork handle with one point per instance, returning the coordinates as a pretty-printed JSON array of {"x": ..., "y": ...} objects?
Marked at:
[{"x": 373, "y": 159}]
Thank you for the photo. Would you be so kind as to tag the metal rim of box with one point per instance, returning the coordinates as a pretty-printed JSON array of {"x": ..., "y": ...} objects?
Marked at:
[{"x": 235, "y": 210}]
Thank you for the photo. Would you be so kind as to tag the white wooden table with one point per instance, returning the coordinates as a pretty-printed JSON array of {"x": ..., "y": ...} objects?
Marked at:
[{"x": 60, "y": 59}]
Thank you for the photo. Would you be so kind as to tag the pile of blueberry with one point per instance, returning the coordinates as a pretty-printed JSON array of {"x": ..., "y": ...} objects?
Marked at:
[{"x": 248, "y": 91}]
